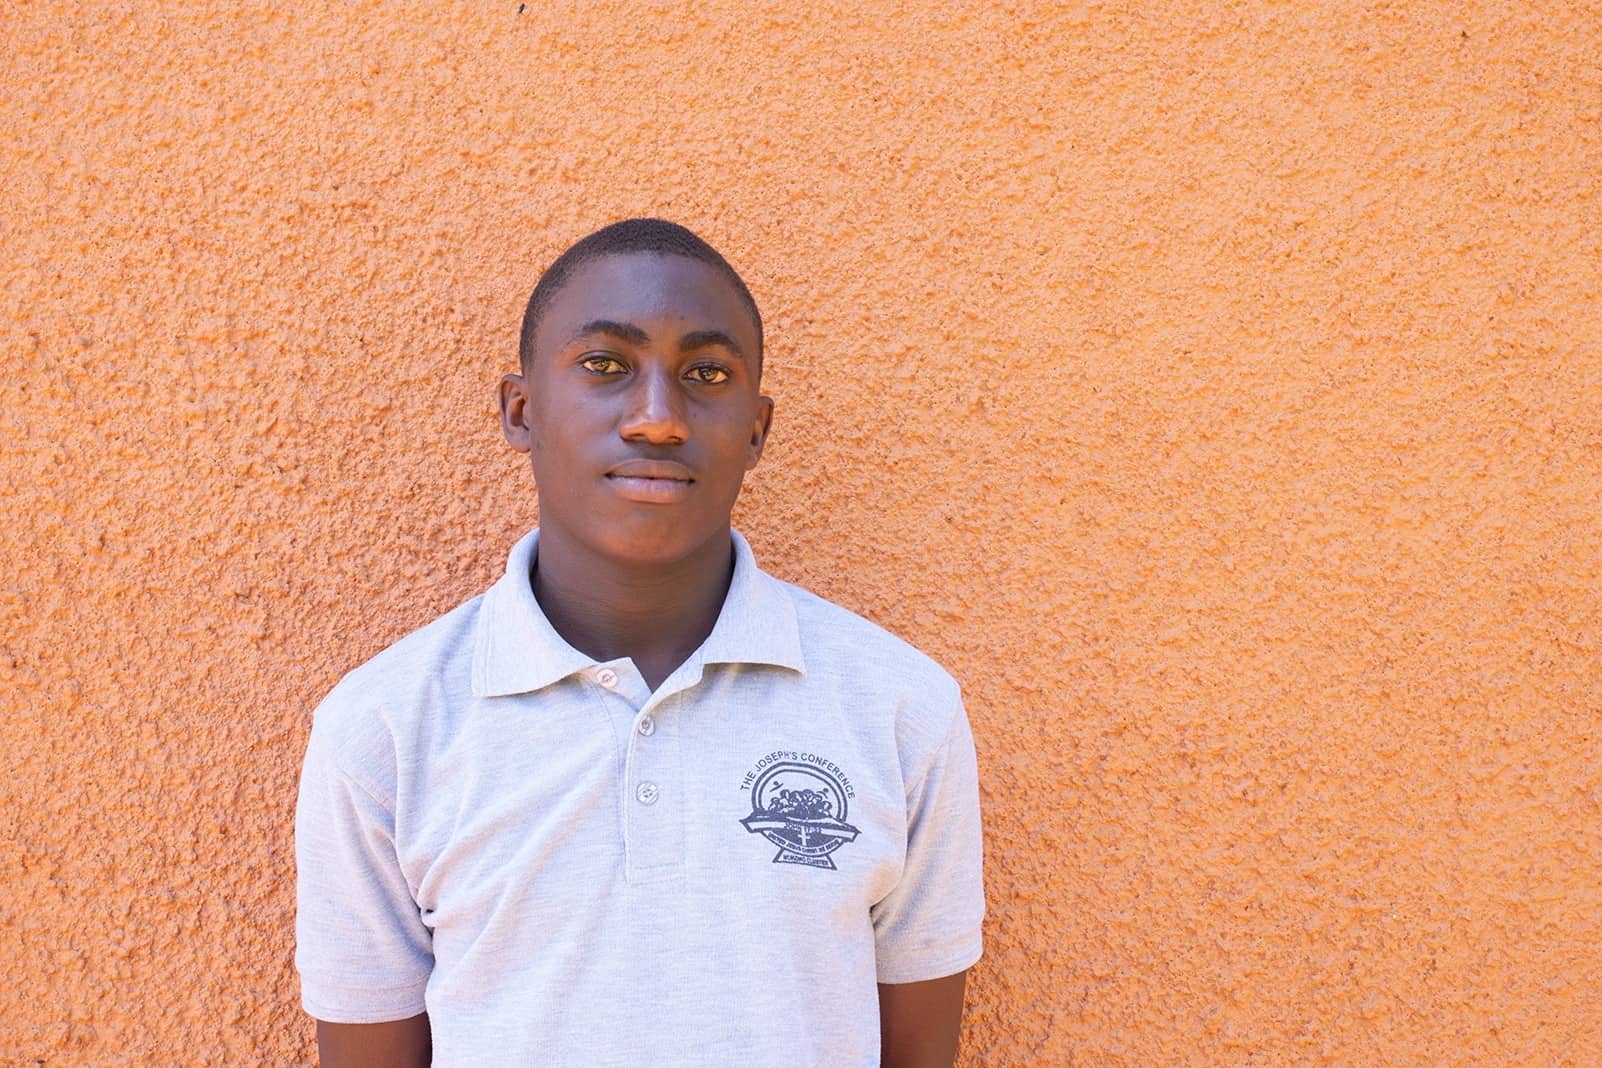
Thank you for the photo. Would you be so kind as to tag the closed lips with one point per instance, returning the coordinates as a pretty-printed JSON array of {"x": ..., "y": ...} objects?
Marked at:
[{"x": 666, "y": 470}]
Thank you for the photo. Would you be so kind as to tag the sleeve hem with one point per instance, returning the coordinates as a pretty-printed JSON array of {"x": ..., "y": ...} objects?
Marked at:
[
  {"x": 935, "y": 963},
  {"x": 358, "y": 1005}
]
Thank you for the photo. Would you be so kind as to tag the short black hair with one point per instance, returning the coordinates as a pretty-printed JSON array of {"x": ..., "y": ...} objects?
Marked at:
[{"x": 631, "y": 235}]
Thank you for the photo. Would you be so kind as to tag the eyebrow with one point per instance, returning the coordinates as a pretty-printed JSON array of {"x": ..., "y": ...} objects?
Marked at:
[
  {"x": 700, "y": 339},
  {"x": 695, "y": 339},
  {"x": 623, "y": 331}
]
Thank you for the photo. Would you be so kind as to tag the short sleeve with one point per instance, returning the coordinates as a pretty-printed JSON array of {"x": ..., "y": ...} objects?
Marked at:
[
  {"x": 361, "y": 947},
  {"x": 928, "y": 926}
]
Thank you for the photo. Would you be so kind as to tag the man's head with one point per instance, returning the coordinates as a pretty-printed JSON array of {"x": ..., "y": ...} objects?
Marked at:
[
  {"x": 639, "y": 401},
  {"x": 631, "y": 235}
]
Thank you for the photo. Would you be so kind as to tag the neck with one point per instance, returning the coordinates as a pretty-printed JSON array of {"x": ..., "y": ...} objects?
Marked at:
[{"x": 655, "y": 614}]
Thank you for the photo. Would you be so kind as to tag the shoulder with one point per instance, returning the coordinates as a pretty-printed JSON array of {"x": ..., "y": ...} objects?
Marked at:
[
  {"x": 872, "y": 668},
  {"x": 374, "y": 712},
  {"x": 858, "y": 648}
]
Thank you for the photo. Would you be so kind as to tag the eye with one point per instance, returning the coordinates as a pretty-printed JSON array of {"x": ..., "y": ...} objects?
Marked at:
[
  {"x": 708, "y": 374},
  {"x": 600, "y": 363}
]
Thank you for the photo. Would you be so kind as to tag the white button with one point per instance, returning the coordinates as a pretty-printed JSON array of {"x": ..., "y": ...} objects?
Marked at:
[
  {"x": 647, "y": 793},
  {"x": 647, "y": 725},
  {"x": 606, "y": 677}
]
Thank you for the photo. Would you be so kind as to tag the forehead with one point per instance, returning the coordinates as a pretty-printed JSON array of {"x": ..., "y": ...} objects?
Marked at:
[{"x": 673, "y": 293}]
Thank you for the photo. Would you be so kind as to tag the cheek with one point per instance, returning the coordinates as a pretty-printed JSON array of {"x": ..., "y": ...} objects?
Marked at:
[
  {"x": 549, "y": 454},
  {"x": 553, "y": 431},
  {"x": 735, "y": 462}
]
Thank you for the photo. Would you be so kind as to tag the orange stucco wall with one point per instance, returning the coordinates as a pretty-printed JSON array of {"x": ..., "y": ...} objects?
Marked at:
[{"x": 1214, "y": 387}]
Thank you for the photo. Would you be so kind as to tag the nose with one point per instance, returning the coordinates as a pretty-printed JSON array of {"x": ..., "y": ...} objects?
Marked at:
[{"x": 656, "y": 410}]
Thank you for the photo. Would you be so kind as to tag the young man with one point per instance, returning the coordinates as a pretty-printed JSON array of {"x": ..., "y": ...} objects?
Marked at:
[{"x": 639, "y": 803}]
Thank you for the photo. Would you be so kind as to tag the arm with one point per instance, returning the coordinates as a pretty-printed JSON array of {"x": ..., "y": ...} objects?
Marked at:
[
  {"x": 919, "y": 1022},
  {"x": 397, "y": 1044},
  {"x": 927, "y": 928},
  {"x": 362, "y": 949}
]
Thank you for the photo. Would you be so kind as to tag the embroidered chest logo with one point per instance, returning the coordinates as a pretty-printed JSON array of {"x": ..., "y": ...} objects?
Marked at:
[{"x": 799, "y": 802}]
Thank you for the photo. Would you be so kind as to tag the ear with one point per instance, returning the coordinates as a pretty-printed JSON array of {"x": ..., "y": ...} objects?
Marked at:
[
  {"x": 759, "y": 431},
  {"x": 514, "y": 403}
]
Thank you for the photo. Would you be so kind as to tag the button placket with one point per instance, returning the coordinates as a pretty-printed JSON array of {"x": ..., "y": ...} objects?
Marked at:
[{"x": 653, "y": 823}]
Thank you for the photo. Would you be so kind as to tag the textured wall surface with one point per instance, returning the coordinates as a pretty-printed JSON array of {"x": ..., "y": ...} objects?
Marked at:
[{"x": 1214, "y": 387}]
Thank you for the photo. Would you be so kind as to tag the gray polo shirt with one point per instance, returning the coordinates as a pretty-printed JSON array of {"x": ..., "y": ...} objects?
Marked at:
[{"x": 563, "y": 867}]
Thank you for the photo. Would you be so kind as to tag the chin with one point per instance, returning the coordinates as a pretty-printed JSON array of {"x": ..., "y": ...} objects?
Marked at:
[{"x": 655, "y": 540}]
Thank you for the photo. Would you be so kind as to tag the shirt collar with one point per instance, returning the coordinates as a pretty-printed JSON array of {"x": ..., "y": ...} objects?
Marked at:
[
  {"x": 516, "y": 650},
  {"x": 757, "y": 624}
]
